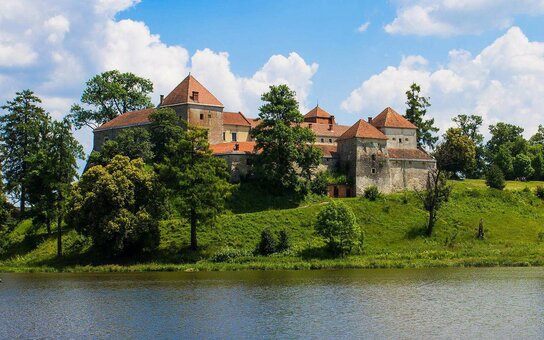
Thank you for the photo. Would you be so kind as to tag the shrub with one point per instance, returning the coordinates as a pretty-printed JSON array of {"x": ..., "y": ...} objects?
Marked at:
[
  {"x": 495, "y": 178},
  {"x": 336, "y": 223},
  {"x": 228, "y": 255},
  {"x": 539, "y": 192},
  {"x": 371, "y": 193},
  {"x": 283, "y": 241},
  {"x": 268, "y": 243}
]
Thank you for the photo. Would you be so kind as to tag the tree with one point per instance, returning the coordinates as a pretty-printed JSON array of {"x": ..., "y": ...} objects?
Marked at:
[
  {"x": 504, "y": 160},
  {"x": 166, "y": 128},
  {"x": 538, "y": 137},
  {"x": 457, "y": 153},
  {"x": 436, "y": 193},
  {"x": 495, "y": 178},
  {"x": 538, "y": 165},
  {"x": 470, "y": 127},
  {"x": 503, "y": 134},
  {"x": 522, "y": 166},
  {"x": 197, "y": 180},
  {"x": 415, "y": 112},
  {"x": 268, "y": 243},
  {"x": 108, "y": 95},
  {"x": 287, "y": 149},
  {"x": 20, "y": 134},
  {"x": 336, "y": 223},
  {"x": 133, "y": 143},
  {"x": 118, "y": 206}
]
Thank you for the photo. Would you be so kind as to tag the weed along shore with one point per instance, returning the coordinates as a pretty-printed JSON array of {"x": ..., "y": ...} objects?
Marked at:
[{"x": 393, "y": 227}]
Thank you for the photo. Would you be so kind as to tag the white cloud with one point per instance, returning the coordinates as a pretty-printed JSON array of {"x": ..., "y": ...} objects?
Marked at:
[
  {"x": 53, "y": 48},
  {"x": 363, "y": 27},
  {"x": 455, "y": 17},
  {"x": 502, "y": 83}
]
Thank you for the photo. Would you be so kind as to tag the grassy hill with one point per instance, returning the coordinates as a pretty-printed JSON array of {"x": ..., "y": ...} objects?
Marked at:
[{"x": 514, "y": 228}]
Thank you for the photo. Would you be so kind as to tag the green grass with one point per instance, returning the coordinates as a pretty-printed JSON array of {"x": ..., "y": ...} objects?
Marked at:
[{"x": 513, "y": 221}]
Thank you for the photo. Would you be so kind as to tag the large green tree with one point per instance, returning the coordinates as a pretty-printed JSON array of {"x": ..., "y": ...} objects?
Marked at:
[
  {"x": 196, "y": 180},
  {"x": 457, "y": 154},
  {"x": 133, "y": 143},
  {"x": 337, "y": 224},
  {"x": 415, "y": 112},
  {"x": 287, "y": 151},
  {"x": 504, "y": 134},
  {"x": 118, "y": 206},
  {"x": 166, "y": 128},
  {"x": 470, "y": 126},
  {"x": 523, "y": 168},
  {"x": 21, "y": 133},
  {"x": 108, "y": 95},
  {"x": 538, "y": 137}
]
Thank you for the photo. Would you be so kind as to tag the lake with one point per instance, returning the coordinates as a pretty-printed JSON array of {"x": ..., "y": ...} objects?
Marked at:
[{"x": 403, "y": 303}]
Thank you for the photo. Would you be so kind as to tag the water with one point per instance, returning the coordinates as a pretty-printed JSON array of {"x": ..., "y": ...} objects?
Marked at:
[{"x": 436, "y": 303}]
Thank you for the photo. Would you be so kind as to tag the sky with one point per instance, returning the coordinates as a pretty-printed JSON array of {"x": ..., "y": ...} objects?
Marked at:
[{"x": 353, "y": 57}]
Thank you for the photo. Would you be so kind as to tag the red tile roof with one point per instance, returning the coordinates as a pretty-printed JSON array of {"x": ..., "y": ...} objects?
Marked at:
[
  {"x": 409, "y": 154},
  {"x": 328, "y": 150},
  {"x": 132, "y": 118},
  {"x": 243, "y": 148},
  {"x": 183, "y": 93},
  {"x": 390, "y": 118},
  {"x": 254, "y": 122},
  {"x": 362, "y": 129},
  {"x": 235, "y": 118},
  {"x": 328, "y": 130},
  {"x": 317, "y": 112}
]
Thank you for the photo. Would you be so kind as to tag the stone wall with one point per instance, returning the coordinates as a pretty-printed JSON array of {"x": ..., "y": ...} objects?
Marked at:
[
  {"x": 242, "y": 133},
  {"x": 101, "y": 136},
  {"x": 409, "y": 174},
  {"x": 400, "y": 138},
  {"x": 238, "y": 165}
]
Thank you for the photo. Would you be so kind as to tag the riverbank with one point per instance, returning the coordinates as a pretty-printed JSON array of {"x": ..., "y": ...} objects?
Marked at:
[{"x": 393, "y": 225}]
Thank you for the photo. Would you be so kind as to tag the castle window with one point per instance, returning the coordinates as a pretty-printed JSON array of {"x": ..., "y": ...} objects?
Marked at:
[
  {"x": 373, "y": 157},
  {"x": 234, "y": 137},
  {"x": 322, "y": 140},
  {"x": 330, "y": 140},
  {"x": 195, "y": 96},
  {"x": 373, "y": 170},
  {"x": 400, "y": 140},
  {"x": 393, "y": 138},
  {"x": 406, "y": 139},
  {"x": 224, "y": 135},
  {"x": 209, "y": 115},
  {"x": 201, "y": 116}
]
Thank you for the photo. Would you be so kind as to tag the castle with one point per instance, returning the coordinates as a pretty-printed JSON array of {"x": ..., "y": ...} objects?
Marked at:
[{"x": 380, "y": 151}]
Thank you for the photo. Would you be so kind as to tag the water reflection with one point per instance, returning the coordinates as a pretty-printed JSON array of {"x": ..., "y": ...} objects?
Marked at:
[{"x": 482, "y": 303}]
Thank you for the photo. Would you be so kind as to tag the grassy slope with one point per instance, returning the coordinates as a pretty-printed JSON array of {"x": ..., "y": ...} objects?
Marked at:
[{"x": 513, "y": 220}]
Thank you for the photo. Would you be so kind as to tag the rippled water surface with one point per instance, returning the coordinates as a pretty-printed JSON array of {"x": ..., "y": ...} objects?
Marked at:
[{"x": 443, "y": 303}]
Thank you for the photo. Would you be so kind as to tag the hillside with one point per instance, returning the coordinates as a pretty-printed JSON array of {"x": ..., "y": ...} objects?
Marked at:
[{"x": 393, "y": 226}]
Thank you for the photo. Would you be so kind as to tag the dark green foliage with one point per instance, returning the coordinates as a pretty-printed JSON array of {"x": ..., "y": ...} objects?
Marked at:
[
  {"x": 457, "y": 154},
  {"x": 539, "y": 192},
  {"x": 371, "y": 193},
  {"x": 166, "y": 128},
  {"x": 504, "y": 161},
  {"x": 319, "y": 183},
  {"x": 283, "y": 241},
  {"x": 22, "y": 131},
  {"x": 538, "y": 137},
  {"x": 470, "y": 127},
  {"x": 196, "y": 180},
  {"x": 495, "y": 178},
  {"x": 336, "y": 223},
  {"x": 108, "y": 95},
  {"x": 133, "y": 143},
  {"x": 118, "y": 206},
  {"x": 415, "y": 112},
  {"x": 503, "y": 134},
  {"x": 436, "y": 194},
  {"x": 288, "y": 151},
  {"x": 268, "y": 243},
  {"x": 522, "y": 167},
  {"x": 228, "y": 255}
]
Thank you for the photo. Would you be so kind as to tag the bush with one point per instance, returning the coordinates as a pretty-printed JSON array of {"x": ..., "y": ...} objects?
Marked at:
[
  {"x": 337, "y": 224},
  {"x": 283, "y": 241},
  {"x": 495, "y": 178},
  {"x": 371, "y": 193},
  {"x": 539, "y": 192},
  {"x": 268, "y": 243},
  {"x": 228, "y": 255}
]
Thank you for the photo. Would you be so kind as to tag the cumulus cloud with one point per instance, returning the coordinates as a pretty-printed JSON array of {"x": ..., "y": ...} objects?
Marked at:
[
  {"x": 363, "y": 27},
  {"x": 502, "y": 83},
  {"x": 455, "y": 17},
  {"x": 54, "y": 47}
]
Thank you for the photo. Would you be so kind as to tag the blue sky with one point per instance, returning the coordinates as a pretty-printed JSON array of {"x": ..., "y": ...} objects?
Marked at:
[{"x": 470, "y": 56}]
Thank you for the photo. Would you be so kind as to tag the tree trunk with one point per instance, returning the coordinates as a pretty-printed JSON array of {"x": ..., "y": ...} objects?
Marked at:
[
  {"x": 430, "y": 226},
  {"x": 194, "y": 244},
  {"x": 22, "y": 202},
  {"x": 59, "y": 229},
  {"x": 481, "y": 229}
]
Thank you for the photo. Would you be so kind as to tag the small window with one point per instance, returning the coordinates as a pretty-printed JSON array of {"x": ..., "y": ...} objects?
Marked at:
[
  {"x": 373, "y": 170},
  {"x": 330, "y": 140},
  {"x": 234, "y": 139},
  {"x": 201, "y": 116},
  {"x": 393, "y": 138},
  {"x": 373, "y": 157},
  {"x": 209, "y": 115},
  {"x": 406, "y": 139},
  {"x": 400, "y": 140},
  {"x": 322, "y": 140},
  {"x": 106, "y": 139},
  {"x": 195, "y": 96},
  {"x": 224, "y": 136}
]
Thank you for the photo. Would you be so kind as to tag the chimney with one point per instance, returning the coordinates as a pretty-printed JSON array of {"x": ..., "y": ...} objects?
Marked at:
[
  {"x": 236, "y": 147},
  {"x": 370, "y": 119},
  {"x": 162, "y": 98}
]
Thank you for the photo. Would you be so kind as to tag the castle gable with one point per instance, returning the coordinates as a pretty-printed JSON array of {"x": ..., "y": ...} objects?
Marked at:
[{"x": 190, "y": 91}]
